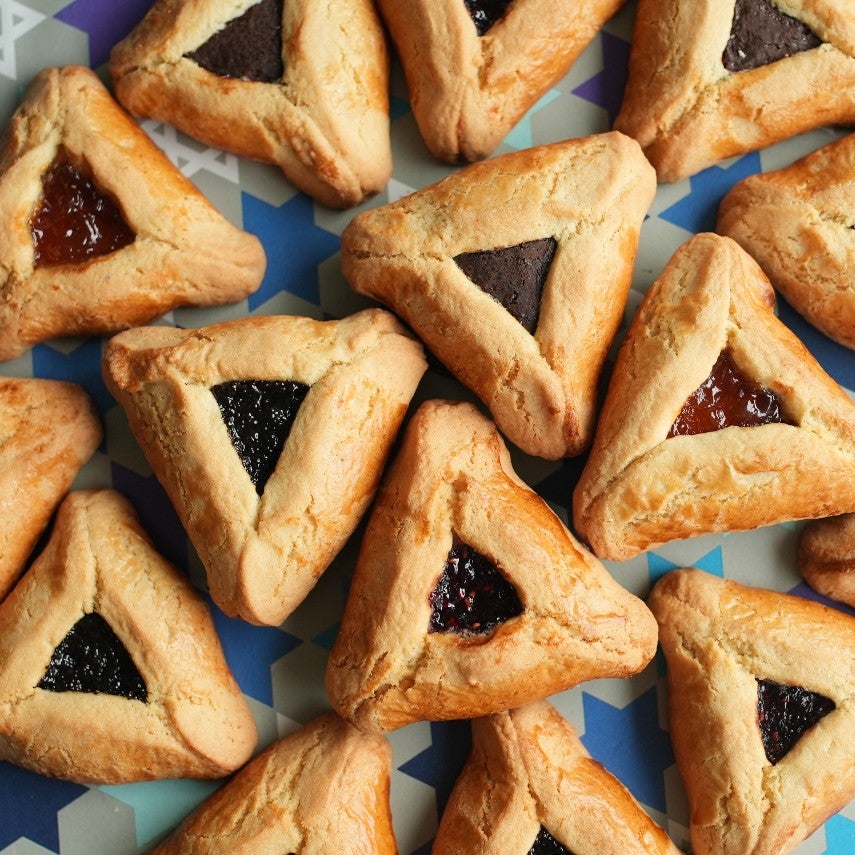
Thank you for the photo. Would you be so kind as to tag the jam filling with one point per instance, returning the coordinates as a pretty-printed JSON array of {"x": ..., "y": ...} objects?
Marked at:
[
  {"x": 91, "y": 658},
  {"x": 546, "y": 844},
  {"x": 249, "y": 47},
  {"x": 258, "y": 415},
  {"x": 471, "y": 597},
  {"x": 486, "y": 13},
  {"x": 74, "y": 221},
  {"x": 727, "y": 399},
  {"x": 514, "y": 276},
  {"x": 761, "y": 33},
  {"x": 785, "y": 713}
]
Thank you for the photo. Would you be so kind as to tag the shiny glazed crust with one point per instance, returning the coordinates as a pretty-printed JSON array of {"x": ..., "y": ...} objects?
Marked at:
[
  {"x": 719, "y": 637},
  {"x": 640, "y": 489},
  {"x": 453, "y": 476},
  {"x": 591, "y": 196},
  {"x": 529, "y": 769},
  {"x": 467, "y": 92},
  {"x": 264, "y": 554},
  {"x": 324, "y": 788},
  {"x": 688, "y": 111},
  {"x": 325, "y": 123},
  {"x": 48, "y": 430},
  {"x": 185, "y": 251},
  {"x": 799, "y": 223},
  {"x": 195, "y": 723},
  {"x": 827, "y": 557}
]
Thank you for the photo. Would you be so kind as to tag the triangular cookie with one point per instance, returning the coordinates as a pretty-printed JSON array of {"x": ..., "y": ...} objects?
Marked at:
[
  {"x": 660, "y": 469},
  {"x": 48, "y": 430},
  {"x": 712, "y": 80},
  {"x": 427, "y": 632},
  {"x": 529, "y": 779},
  {"x": 474, "y": 67},
  {"x": 761, "y": 710},
  {"x": 269, "y": 434},
  {"x": 145, "y": 242},
  {"x": 579, "y": 204},
  {"x": 110, "y": 667},
  {"x": 296, "y": 83},
  {"x": 827, "y": 557},
  {"x": 322, "y": 789},
  {"x": 799, "y": 223}
]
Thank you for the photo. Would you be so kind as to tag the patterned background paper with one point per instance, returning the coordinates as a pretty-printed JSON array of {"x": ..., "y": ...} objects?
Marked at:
[{"x": 281, "y": 670}]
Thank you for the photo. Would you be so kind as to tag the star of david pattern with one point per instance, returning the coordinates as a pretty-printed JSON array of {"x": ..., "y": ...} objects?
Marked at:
[{"x": 281, "y": 669}]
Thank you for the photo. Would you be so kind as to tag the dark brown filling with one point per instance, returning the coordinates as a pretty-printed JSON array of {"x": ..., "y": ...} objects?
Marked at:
[
  {"x": 761, "y": 33},
  {"x": 91, "y": 658},
  {"x": 248, "y": 47},
  {"x": 259, "y": 415},
  {"x": 546, "y": 844},
  {"x": 727, "y": 398},
  {"x": 74, "y": 221},
  {"x": 514, "y": 276},
  {"x": 785, "y": 713},
  {"x": 471, "y": 597},
  {"x": 486, "y": 13}
]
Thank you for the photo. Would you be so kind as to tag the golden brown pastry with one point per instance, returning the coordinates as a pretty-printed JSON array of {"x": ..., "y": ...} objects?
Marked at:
[
  {"x": 472, "y": 75},
  {"x": 675, "y": 458},
  {"x": 302, "y": 84},
  {"x": 145, "y": 242},
  {"x": 48, "y": 430},
  {"x": 761, "y": 710},
  {"x": 709, "y": 79},
  {"x": 827, "y": 557},
  {"x": 269, "y": 434},
  {"x": 470, "y": 596},
  {"x": 799, "y": 223},
  {"x": 529, "y": 776},
  {"x": 110, "y": 668},
  {"x": 515, "y": 273},
  {"x": 322, "y": 789}
]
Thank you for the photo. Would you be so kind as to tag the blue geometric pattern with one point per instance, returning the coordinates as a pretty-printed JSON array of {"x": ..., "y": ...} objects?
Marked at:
[
  {"x": 839, "y": 836},
  {"x": 711, "y": 562},
  {"x": 103, "y": 30},
  {"x": 82, "y": 365},
  {"x": 606, "y": 87}
]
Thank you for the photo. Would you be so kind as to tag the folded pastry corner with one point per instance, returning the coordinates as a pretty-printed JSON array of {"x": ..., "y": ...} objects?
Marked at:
[
  {"x": 826, "y": 557},
  {"x": 760, "y": 712},
  {"x": 469, "y": 595}
]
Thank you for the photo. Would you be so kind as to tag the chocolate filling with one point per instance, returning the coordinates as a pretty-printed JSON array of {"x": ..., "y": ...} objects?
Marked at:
[
  {"x": 514, "y": 276},
  {"x": 546, "y": 844},
  {"x": 761, "y": 33},
  {"x": 785, "y": 713},
  {"x": 486, "y": 13},
  {"x": 471, "y": 597},
  {"x": 259, "y": 415},
  {"x": 91, "y": 658},
  {"x": 249, "y": 47}
]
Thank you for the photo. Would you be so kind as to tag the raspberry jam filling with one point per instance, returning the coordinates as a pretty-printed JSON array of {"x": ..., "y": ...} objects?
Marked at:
[
  {"x": 471, "y": 597},
  {"x": 486, "y": 13},
  {"x": 785, "y": 714},
  {"x": 726, "y": 399},
  {"x": 91, "y": 658},
  {"x": 74, "y": 221},
  {"x": 546, "y": 844},
  {"x": 259, "y": 415}
]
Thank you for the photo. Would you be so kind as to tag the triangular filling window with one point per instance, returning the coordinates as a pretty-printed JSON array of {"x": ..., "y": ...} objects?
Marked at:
[
  {"x": 91, "y": 658},
  {"x": 546, "y": 844},
  {"x": 249, "y": 47},
  {"x": 258, "y": 415},
  {"x": 761, "y": 34},
  {"x": 486, "y": 13}
]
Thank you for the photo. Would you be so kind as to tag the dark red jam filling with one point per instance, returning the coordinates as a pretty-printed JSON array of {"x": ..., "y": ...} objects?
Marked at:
[
  {"x": 546, "y": 844},
  {"x": 471, "y": 597},
  {"x": 259, "y": 415},
  {"x": 486, "y": 13},
  {"x": 727, "y": 399},
  {"x": 91, "y": 658},
  {"x": 761, "y": 33},
  {"x": 514, "y": 276},
  {"x": 75, "y": 221},
  {"x": 785, "y": 713},
  {"x": 248, "y": 47}
]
